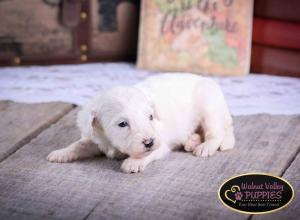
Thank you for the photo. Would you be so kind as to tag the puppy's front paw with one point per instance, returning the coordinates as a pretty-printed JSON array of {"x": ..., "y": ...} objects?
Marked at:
[
  {"x": 204, "y": 150},
  {"x": 193, "y": 141},
  {"x": 131, "y": 165},
  {"x": 61, "y": 156}
]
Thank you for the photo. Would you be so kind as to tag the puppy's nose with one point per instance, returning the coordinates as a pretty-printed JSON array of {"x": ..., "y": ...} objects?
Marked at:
[{"x": 148, "y": 142}]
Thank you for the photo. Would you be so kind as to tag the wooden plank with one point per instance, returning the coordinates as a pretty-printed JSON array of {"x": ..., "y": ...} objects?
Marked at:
[
  {"x": 264, "y": 144},
  {"x": 19, "y": 123},
  {"x": 179, "y": 187},
  {"x": 292, "y": 211}
]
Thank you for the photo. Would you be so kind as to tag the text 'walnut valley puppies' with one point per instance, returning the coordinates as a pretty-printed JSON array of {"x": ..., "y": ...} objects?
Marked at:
[{"x": 148, "y": 120}]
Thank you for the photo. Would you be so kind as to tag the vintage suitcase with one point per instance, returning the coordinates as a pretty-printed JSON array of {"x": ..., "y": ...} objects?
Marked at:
[
  {"x": 67, "y": 31},
  {"x": 275, "y": 60},
  {"x": 276, "y": 38}
]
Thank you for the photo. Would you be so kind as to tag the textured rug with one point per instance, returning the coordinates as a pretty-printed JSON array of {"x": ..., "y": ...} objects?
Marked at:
[{"x": 77, "y": 83}]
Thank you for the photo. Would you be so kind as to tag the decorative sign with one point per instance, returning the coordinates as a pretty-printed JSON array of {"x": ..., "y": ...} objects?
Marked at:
[
  {"x": 202, "y": 36},
  {"x": 256, "y": 193}
]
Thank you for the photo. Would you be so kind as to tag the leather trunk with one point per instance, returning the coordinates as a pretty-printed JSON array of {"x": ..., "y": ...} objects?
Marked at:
[{"x": 67, "y": 31}]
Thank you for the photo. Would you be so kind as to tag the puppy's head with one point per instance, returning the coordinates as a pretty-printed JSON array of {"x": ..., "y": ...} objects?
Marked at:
[{"x": 128, "y": 119}]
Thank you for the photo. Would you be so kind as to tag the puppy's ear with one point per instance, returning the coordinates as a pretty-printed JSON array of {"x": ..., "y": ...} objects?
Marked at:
[
  {"x": 150, "y": 100},
  {"x": 156, "y": 114},
  {"x": 95, "y": 122}
]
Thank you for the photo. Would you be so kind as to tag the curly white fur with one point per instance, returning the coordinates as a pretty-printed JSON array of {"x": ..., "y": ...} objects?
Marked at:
[{"x": 151, "y": 118}]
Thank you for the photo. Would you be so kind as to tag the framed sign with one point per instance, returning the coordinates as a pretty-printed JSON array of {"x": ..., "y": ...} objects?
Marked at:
[{"x": 200, "y": 36}]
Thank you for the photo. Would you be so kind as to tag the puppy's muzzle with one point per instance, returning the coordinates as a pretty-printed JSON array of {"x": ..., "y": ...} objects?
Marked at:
[{"x": 148, "y": 143}]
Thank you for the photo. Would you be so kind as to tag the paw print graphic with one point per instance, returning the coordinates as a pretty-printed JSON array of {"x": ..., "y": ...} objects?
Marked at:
[{"x": 238, "y": 196}]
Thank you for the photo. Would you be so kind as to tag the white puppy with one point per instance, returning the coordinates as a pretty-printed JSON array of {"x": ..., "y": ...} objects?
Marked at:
[{"x": 147, "y": 120}]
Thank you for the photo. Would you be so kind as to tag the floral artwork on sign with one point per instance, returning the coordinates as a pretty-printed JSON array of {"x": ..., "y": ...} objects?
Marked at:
[{"x": 201, "y": 36}]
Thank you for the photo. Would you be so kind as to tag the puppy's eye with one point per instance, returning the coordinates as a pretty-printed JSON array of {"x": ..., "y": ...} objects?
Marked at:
[
  {"x": 123, "y": 124},
  {"x": 151, "y": 117}
]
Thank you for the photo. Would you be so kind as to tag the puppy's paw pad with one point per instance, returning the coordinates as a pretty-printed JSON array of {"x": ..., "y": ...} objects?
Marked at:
[
  {"x": 131, "y": 165},
  {"x": 61, "y": 156},
  {"x": 204, "y": 150},
  {"x": 193, "y": 141}
]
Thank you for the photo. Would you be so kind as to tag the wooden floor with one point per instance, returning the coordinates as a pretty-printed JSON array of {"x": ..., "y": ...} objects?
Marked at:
[{"x": 178, "y": 187}]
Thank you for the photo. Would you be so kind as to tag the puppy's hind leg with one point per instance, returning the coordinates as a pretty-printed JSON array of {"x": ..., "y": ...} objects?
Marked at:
[
  {"x": 80, "y": 149},
  {"x": 228, "y": 140},
  {"x": 214, "y": 132},
  {"x": 192, "y": 142}
]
